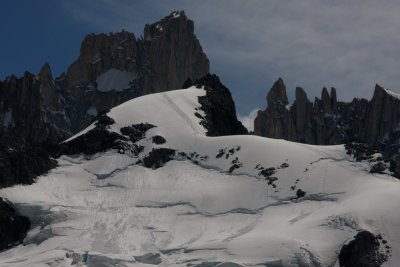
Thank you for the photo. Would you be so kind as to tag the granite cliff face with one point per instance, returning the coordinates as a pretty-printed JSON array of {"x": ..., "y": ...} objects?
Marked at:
[
  {"x": 114, "y": 68},
  {"x": 31, "y": 107},
  {"x": 111, "y": 69},
  {"x": 327, "y": 121},
  {"x": 220, "y": 112}
]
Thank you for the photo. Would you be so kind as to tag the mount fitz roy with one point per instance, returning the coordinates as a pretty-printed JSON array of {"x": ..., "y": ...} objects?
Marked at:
[
  {"x": 111, "y": 69},
  {"x": 135, "y": 157}
]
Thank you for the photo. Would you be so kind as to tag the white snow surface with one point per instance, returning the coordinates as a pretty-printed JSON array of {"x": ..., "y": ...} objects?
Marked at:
[
  {"x": 395, "y": 95},
  {"x": 115, "y": 79},
  {"x": 106, "y": 210}
]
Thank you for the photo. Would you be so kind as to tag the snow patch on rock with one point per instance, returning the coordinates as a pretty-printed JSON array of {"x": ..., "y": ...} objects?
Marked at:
[{"x": 115, "y": 80}]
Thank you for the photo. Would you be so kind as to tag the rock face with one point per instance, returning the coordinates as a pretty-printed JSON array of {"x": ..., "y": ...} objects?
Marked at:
[
  {"x": 111, "y": 69},
  {"x": 21, "y": 163},
  {"x": 326, "y": 121},
  {"x": 13, "y": 227},
  {"x": 276, "y": 121},
  {"x": 100, "y": 139},
  {"x": 31, "y": 107},
  {"x": 362, "y": 251},
  {"x": 114, "y": 68},
  {"x": 220, "y": 111}
]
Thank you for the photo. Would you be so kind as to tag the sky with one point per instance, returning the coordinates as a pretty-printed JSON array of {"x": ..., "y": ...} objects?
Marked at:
[{"x": 349, "y": 45}]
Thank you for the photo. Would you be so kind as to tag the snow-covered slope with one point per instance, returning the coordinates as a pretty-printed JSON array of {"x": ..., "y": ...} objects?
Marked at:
[{"x": 220, "y": 199}]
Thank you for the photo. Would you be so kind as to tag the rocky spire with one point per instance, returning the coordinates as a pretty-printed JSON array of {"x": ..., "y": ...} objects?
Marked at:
[
  {"x": 111, "y": 69},
  {"x": 326, "y": 101},
  {"x": 329, "y": 122},
  {"x": 275, "y": 121},
  {"x": 374, "y": 113},
  {"x": 173, "y": 52},
  {"x": 48, "y": 93},
  {"x": 167, "y": 55},
  {"x": 45, "y": 72},
  {"x": 333, "y": 99},
  {"x": 302, "y": 108},
  {"x": 277, "y": 94}
]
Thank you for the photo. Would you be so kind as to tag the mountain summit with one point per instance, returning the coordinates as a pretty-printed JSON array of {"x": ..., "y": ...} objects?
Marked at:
[{"x": 111, "y": 69}]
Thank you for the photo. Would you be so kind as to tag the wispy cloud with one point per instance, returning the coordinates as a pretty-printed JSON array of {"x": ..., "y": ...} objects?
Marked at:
[
  {"x": 248, "y": 120},
  {"x": 348, "y": 45}
]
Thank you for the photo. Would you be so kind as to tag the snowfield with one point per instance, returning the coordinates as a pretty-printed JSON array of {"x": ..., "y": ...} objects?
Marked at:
[
  {"x": 107, "y": 210},
  {"x": 115, "y": 79}
]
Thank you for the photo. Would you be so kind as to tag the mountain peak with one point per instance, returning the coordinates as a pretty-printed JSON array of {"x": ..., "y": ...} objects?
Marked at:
[
  {"x": 45, "y": 71},
  {"x": 380, "y": 92},
  {"x": 277, "y": 94},
  {"x": 174, "y": 22},
  {"x": 176, "y": 14},
  {"x": 111, "y": 68},
  {"x": 301, "y": 94}
]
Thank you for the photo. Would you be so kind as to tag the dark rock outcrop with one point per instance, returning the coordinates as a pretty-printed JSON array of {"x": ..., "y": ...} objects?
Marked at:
[
  {"x": 100, "y": 139},
  {"x": 300, "y": 193},
  {"x": 158, "y": 157},
  {"x": 158, "y": 140},
  {"x": 361, "y": 151},
  {"x": 218, "y": 106},
  {"x": 323, "y": 122},
  {"x": 378, "y": 167},
  {"x": 136, "y": 132},
  {"x": 327, "y": 121},
  {"x": 276, "y": 121},
  {"x": 31, "y": 107},
  {"x": 362, "y": 251},
  {"x": 111, "y": 69},
  {"x": 13, "y": 227},
  {"x": 21, "y": 163}
]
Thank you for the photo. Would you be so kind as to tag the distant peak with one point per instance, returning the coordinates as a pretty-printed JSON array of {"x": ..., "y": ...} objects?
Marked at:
[
  {"x": 379, "y": 88},
  {"x": 176, "y": 14},
  {"x": 381, "y": 92},
  {"x": 301, "y": 94},
  {"x": 325, "y": 94},
  {"x": 277, "y": 93},
  {"x": 391, "y": 93},
  {"x": 176, "y": 21},
  {"x": 45, "y": 71}
]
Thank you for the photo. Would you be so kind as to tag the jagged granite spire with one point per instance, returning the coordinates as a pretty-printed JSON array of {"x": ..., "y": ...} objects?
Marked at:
[
  {"x": 276, "y": 120},
  {"x": 111, "y": 69},
  {"x": 329, "y": 122},
  {"x": 277, "y": 94}
]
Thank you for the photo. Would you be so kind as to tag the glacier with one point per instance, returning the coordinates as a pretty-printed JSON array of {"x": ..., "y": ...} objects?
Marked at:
[{"x": 107, "y": 209}]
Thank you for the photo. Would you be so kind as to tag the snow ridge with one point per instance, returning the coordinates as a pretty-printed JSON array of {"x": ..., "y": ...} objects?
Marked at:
[{"x": 109, "y": 208}]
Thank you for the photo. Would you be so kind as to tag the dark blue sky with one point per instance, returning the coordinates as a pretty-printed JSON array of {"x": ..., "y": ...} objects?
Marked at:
[
  {"x": 35, "y": 32},
  {"x": 249, "y": 43}
]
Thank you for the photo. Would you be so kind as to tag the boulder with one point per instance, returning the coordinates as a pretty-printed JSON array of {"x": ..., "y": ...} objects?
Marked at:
[{"x": 362, "y": 251}]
